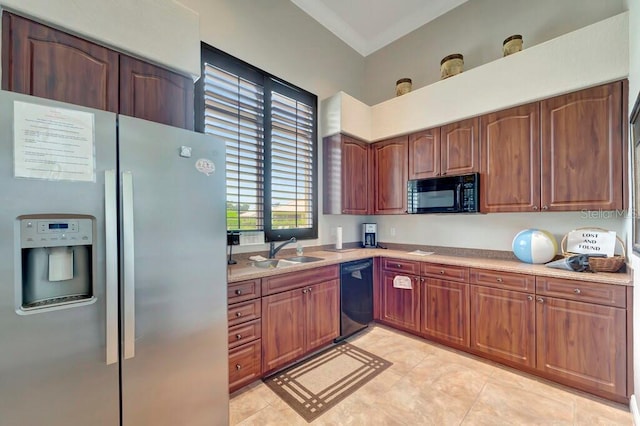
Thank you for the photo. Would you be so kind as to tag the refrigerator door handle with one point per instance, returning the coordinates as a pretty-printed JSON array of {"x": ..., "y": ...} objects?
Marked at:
[
  {"x": 129, "y": 266},
  {"x": 111, "y": 254}
]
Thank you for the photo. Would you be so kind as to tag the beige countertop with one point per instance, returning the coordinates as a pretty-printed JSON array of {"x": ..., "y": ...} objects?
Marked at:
[{"x": 245, "y": 270}]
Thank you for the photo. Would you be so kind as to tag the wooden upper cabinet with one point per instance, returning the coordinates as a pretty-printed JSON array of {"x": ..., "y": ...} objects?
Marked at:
[
  {"x": 424, "y": 154},
  {"x": 390, "y": 176},
  {"x": 155, "y": 94},
  {"x": 40, "y": 61},
  {"x": 582, "y": 150},
  {"x": 459, "y": 147},
  {"x": 510, "y": 163},
  {"x": 345, "y": 175}
]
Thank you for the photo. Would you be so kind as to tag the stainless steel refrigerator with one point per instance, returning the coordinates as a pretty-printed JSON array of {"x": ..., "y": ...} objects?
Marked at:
[{"x": 112, "y": 276}]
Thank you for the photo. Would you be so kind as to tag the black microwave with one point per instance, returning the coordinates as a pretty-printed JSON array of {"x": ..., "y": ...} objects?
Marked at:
[{"x": 445, "y": 194}]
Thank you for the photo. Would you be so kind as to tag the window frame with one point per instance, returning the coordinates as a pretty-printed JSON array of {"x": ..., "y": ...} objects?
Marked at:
[{"x": 269, "y": 83}]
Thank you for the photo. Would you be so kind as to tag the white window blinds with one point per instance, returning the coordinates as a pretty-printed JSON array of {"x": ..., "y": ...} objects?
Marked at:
[
  {"x": 291, "y": 163},
  {"x": 234, "y": 111}
]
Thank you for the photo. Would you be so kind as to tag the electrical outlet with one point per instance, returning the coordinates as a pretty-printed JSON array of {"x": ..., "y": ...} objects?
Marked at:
[
  {"x": 392, "y": 231},
  {"x": 248, "y": 238}
]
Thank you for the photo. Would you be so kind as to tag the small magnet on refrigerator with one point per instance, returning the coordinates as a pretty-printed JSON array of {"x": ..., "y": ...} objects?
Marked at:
[
  {"x": 185, "y": 151},
  {"x": 206, "y": 166}
]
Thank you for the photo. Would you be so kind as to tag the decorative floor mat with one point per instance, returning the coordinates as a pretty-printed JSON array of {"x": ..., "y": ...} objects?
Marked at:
[{"x": 312, "y": 387}]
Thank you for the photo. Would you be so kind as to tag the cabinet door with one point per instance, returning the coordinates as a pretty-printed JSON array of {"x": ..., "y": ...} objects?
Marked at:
[
  {"x": 390, "y": 176},
  {"x": 510, "y": 165},
  {"x": 582, "y": 149},
  {"x": 283, "y": 325},
  {"x": 503, "y": 324},
  {"x": 583, "y": 342},
  {"x": 459, "y": 147},
  {"x": 323, "y": 314},
  {"x": 424, "y": 154},
  {"x": 445, "y": 310},
  {"x": 41, "y": 61},
  {"x": 155, "y": 94},
  {"x": 400, "y": 307},
  {"x": 355, "y": 176}
]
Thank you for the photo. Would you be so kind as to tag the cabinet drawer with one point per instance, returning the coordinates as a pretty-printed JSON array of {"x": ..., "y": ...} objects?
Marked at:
[
  {"x": 279, "y": 283},
  {"x": 603, "y": 294},
  {"x": 243, "y": 312},
  {"x": 445, "y": 272},
  {"x": 399, "y": 265},
  {"x": 244, "y": 333},
  {"x": 244, "y": 364},
  {"x": 499, "y": 279},
  {"x": 244, "y": 290}
]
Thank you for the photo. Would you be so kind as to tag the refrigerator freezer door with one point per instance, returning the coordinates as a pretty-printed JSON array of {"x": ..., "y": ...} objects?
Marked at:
[
  {"x": 178, "y": 369},
  {"x": 53, "y": 366}
]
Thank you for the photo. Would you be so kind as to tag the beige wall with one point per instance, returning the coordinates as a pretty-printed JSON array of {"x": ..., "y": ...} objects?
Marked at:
[
  {"x": 476, "y": 29},
  {"x": 278, "y": 37}
]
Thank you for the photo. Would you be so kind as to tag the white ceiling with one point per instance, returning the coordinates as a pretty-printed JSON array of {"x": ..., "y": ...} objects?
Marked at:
[{"x": 369, "y": 25}]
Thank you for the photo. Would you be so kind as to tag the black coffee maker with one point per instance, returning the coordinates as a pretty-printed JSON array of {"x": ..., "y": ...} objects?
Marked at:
[{"x": 369, "y": 235}]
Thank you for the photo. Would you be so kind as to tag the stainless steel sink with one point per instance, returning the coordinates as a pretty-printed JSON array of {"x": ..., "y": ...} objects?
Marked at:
[
  {"x": 275, "y": 263},
  {"x": 283, "y": 263},
  {"x": 269, "y": 263},
  {"x": 304, "y": 259}
]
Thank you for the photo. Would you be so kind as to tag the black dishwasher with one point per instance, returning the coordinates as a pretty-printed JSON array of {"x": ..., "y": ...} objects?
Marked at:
[{"x": 356, "y": 296}]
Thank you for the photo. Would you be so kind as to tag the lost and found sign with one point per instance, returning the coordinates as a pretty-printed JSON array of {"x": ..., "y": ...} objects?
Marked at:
[{"x": 591, "y": 241}]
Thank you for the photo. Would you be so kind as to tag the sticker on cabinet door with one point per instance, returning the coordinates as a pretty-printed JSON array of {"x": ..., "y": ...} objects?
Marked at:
[
  {"x": 402, "y": 281},
  {"x": 206, "y": 166}
]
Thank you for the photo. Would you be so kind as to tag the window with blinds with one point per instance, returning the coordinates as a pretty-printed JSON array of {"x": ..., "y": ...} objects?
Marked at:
[
  {"x": 234, "y": 111},
  {"x": 269, "y": 130}
]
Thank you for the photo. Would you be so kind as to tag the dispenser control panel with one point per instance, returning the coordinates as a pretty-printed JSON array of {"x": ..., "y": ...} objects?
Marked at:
[{"x": 52, "y": 232}]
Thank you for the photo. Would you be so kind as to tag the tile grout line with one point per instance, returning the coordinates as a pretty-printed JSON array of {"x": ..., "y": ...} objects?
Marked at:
[{"x": 486, "y": 381}]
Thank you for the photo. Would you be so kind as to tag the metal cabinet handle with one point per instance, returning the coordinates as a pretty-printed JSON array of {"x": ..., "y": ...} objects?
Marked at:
[
  {"x": 238, "y": 366},
  {"x": 238, "y": 292},
  {"x": 535, "y": 207},
  {"x": 529, "y": 297},
  {"x": 540, "y": 299},
  {"x": 545, "y": 207},
  {"x": 422, "y": 279},
  {"x": 499, "y": 279},
  {"x": 238, "y": 314},
  {"x": 577, "y": 291},
  {"x": 238, "y": 336},
  {"x": 111, "y": 260},
  {"x": 129, "y": 266},
  {"x": 305, "y": 291},
  {"x": 398, "y": 265},
  {"x": 309, "y": 289},
  {"x": 441, "y": 272}
]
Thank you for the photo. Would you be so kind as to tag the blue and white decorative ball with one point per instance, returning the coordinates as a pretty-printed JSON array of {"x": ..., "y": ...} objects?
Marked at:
[{"x": 534, "y": 246}]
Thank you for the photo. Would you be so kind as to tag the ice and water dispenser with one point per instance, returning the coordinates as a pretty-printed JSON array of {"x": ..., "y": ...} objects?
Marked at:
[{"x": 57, "y": 262}]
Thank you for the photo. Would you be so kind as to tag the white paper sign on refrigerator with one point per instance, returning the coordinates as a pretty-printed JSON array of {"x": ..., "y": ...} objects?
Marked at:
[{"x": 53, "y": 143}]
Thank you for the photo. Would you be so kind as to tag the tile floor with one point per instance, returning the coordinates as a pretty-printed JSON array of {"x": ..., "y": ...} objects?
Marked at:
[{"x": 429, "y": 384}]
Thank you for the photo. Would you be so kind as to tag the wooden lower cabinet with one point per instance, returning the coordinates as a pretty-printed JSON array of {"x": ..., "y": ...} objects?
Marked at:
[
  {"x": 297, "y": 321},
  {"x": 400, "y": 307},
  {"x": 583, "y": 343},
  {"x": 445, "y": 310},
  {"x": 503, "y": 324},
  {"x": 245, "y": 330},
  {"x": 244, "y": 365}
]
